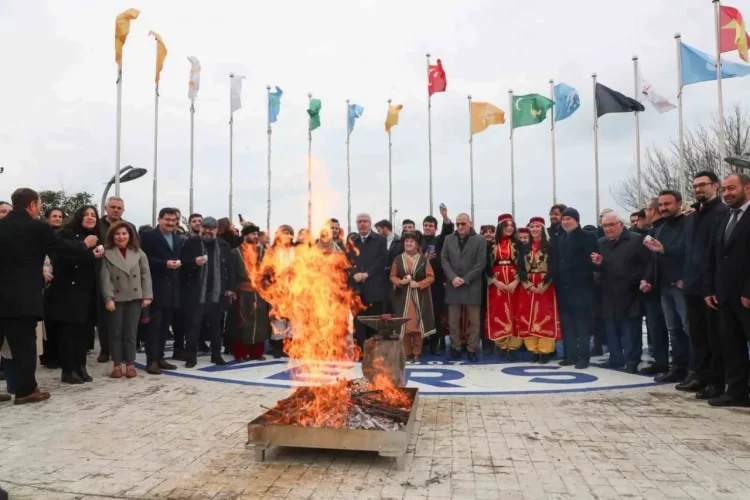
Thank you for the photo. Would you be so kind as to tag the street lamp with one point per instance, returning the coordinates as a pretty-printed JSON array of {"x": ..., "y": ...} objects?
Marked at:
[
  {"x": 129, "y": 173},
  {"x": 742, "y": 161}
]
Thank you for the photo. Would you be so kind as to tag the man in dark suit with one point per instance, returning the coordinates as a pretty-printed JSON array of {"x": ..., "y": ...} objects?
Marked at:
[
  {"x": 432, "y": 248},
  {"x": 727, "y": 288},
  {"x": 162, "y": 247},
  {"x": 368, "y": 272},
  {"x": 24, "y": 242}
]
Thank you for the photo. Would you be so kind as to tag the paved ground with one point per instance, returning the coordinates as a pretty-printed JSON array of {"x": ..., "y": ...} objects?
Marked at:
[{"x": 181, "y": 438}]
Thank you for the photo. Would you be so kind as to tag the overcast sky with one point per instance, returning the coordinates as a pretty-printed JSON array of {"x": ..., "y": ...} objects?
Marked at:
[{"x": 58, "y": 99}]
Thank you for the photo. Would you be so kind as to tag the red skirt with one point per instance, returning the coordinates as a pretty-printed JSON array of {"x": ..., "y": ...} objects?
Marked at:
[
  {"x": 537, "y": 313},
  {"x": 501, "y": 306}
]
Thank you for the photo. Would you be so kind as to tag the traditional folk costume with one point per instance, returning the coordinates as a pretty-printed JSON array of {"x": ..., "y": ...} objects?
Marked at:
[
  {"x": 537, "y": 320},
  {"x": 504, "y": 264},
  {"x": 413, "y": 303}
]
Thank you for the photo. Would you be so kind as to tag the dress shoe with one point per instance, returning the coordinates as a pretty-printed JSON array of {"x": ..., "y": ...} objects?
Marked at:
[
  {"x": 85, "y": 374},
  {"x": 153, "y": 369},
  {"x": 51, "y": 365},
  {"x": 534, "y": 358},
  {"x": 727, "y": 400},
  {"x": 632, "y": 369},
  {"x": 691, "y": 385},
  {"x": 190, "y": 363},
  {"x": 130, "y": 371},
  {"x": 166, "y": 366},
  {"x": 544, "y": 358},
  {"x": 653, "y": 370},
  {"x": 673, "y": 375},
  {"x": 218, "y": 360},
  {"x": 455, "y": 355},
  {"x": 568, "y": 362},
  {"x": 116, "y": 372},
  {"x": 71, "y": 378},
  {"x": 609, "y": 366},
  {"x": 582, "y": 364},
  {"x": 179, "y": 355},
  {"x": 5, "y": 398},
  {"x": 473, "y": 357},
  {"x": 709, "y": 392},
  {"x": 103, "y": 358},
  {"x": 35, "y": 397}
]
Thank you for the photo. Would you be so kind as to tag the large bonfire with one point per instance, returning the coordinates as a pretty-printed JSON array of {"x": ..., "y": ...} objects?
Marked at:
[{"x": 311, "y": 290}]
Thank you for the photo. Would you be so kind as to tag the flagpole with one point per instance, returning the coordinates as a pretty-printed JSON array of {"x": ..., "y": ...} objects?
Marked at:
[
  {"x": 678, "y": 39},
  {"x": 309, "y": 169},
  {"x": 429, "y": 129},
  {"x": 471, "y": 161},
  {"x": 268, "y": 162},
  {"x": 231, "y": 145},
  {"x": 390, "y": 173},
  {"x": 637, "y": 135},
  {"x": 596, "y": 146},
  {"x": 552, "y": 128},
  {"x": 156, "y": 137},
  {"x": 512, "y": 166},
  {"x": 118, "y": 128},
  {"x": 722, "y": 145},
  {"x": 348, "y": 175},
  {"x": 192, "y": 135}
]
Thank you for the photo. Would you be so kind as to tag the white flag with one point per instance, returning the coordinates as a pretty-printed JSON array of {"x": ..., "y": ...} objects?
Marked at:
[
  {"x": 235, "y": 91},
  {"x": 195, "y": 78},
  {"x": 658, "y": 101}
]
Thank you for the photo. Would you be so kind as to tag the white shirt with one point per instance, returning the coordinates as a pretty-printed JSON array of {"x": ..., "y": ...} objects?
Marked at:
[{"x": 389, "y": 240}]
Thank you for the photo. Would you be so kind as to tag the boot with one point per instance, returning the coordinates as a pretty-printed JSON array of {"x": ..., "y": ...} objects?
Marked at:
[
  {"x": 71, "y": 378},
  {"x": 84, "y": 374}
]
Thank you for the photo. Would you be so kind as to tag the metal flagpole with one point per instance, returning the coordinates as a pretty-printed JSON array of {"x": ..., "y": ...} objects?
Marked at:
[
  {"x": 231, "y": 146},
  {"x": 552, "y": 129},
  {"x": 390, "y": 174},
  {"x": 348, "y": 175},
  {"x": 471, "y": 161},
  {"x": 512, "y": 166},
  {"x": 118, "y": 129},
  {"x": 596, "y": 146},
  {"x": 636, "y": 93},
  {"x": 309, "y": 169},
  {"x": 192, "y": 135},
  {"x": 429, "y": 129},
  {"x": 722, "y": 145},
  {"x": 268, "y": 163},
  {"x": 678, "y": 39},
  {"x": 156, "y": 137}
]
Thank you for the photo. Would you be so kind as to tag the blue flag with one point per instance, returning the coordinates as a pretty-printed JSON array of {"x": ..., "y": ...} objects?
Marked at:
[
  {"x": 698, "y": 66},
  {"x": 355, "y": 111},
  {"x": 567, "y": 101},
  {"x": 274, "y": 104}
]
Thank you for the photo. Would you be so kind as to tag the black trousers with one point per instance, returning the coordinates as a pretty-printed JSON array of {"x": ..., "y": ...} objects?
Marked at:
[
  {"x": 706, "y": 341},
  {"x": 72, "y": 344},
  {"x": 21, "y": 335},
  {"x": 735, "y": 334},
  {"x": 50, "y": 345},
  {"x": 178, "y": 328},
  {"x": 576, "y": 324},
  {"x": 363, "y": 332},
  {"x": 158, "y": 332},
  {"x": 195, "y": 319}
]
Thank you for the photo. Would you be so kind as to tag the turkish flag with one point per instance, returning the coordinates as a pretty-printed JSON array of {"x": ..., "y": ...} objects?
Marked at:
[{"x": 436, "y": 81}]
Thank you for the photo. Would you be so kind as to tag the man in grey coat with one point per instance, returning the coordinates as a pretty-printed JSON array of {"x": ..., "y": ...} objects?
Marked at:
[{"x": 463, "y": 258}]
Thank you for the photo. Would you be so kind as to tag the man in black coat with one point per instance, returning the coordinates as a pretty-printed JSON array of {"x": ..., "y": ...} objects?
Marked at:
[
  {"x": 368, "y": 274},
  {"x": 574, "y": 283},
  {"x": 208, "y": 285},
  {"x": 162, "y": 247},
  {"x": 727, "y": 288},
  {"x": 432, "y": 248},
  {"x": 703, "y": 320},
  {"x": 24, "y": 242},
  {"x": 621, "y": 262}
]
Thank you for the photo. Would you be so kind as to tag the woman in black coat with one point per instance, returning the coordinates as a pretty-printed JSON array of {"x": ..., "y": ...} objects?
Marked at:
[{"x": 70, "y": 302}]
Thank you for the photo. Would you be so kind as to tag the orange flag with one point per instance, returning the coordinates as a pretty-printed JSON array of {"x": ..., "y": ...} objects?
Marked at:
[
  {"x": 391, "y": 119},
  {"x": 484, "y": 114},
  {"x": 732, "y": 32},
  {"x": 161, "y": 54},
  {"x": 122, "y": 28}
]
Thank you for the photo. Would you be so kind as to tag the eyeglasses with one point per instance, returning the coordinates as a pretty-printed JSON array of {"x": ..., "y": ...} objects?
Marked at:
[
  {"x": 462, "y": 223},
  {"x": 701, "y": 185}
]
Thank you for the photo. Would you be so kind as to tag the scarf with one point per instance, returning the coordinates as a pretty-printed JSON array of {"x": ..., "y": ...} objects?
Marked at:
[{"x": 216, "y": 283}]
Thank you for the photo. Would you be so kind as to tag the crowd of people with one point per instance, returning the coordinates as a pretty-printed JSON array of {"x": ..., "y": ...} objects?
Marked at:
[{"x": 69, "y": 278}]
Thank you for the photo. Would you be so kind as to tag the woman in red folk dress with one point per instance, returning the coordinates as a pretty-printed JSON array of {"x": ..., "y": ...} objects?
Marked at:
[
  {"x": 538, "y": 323},
  {"x": 504, "y": 273}
]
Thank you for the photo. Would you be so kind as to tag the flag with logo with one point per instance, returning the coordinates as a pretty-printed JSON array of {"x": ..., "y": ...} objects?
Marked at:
[
  {"x": 274, "y": 104},
  {"x": 697, "y": 66},
  {"x": 484, "y": 114},
  {"x": 732, "y": 34},
  {"x": 235, "y": 92},
  {"x": 313, "y": 112},
  {"x": 355, "y": 111},
  {"x": 567, "y": 101},
  {"x": 195, "y": 78},
  {"x": 658, "y": 101},
  {"x": 530, "y": 109},
  {"x": 161, "y": 54},
  {"x": 391, "y": 119},
  {"x": 122, "y": 28},
  {"x": 436, "y": 80}
]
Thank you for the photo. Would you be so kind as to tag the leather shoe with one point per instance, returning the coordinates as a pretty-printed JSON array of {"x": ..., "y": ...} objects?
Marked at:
[
  {"x": 5, "y": 398},
  {"x": 166, "y": 366},
  {"x": 85, "y": 374},
  {"x": 534, "y": 358},
  {"x": 218, "y": 360},
  {"x": 153, "y": 369},
  {"x": 653, "y": 370},
  {"x": 544, "y": 358},
  {"x": 190, "y": 363},
  {"x": 709, "y": 392},
  {"x": 673, "y": 375},
  {"x": 567, "y": 362},
  {"x": 692, "y": 385},
  {"x": 455, "y": 355},
  {"x": 582, "y": 364},
  {"x": 35, "y": 397},
  {"x": 179, "y": 355},
  {"x": 473, "y": 357},
  {"x": 71, "y": 378},
  {"x": 632, "y": 369},
  {"x": 103, "y": 358},
  {"x": 727, "y": 400}
]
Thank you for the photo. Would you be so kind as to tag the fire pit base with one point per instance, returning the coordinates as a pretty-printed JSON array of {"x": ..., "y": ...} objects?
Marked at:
[{"x": 263, "y": 436}]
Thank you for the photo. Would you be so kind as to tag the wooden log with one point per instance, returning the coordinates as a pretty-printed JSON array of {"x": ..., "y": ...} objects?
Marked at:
[{"x": 384, "y": 357}]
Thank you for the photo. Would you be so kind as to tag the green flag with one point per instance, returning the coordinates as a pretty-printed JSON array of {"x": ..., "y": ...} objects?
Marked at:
[
  {"x": 530, "y": 109},
  {"x": 314, "y": 112}
]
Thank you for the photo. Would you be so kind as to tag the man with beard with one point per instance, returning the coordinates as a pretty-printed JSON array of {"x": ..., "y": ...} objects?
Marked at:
[
  {"x": 432, "y": 247},
  {"x": 194, "y": 224},
  {"x": 208, "y": 286},
  {"x": 555, "y": 221},
  {"x": 728, "y": 288}
]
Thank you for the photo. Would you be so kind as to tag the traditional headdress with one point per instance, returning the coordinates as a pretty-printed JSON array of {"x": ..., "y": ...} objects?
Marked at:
[
  {"x": 524, "y": 230},
  {"x": 540, "y": 220},
  {"x": 504, "y": 217}
]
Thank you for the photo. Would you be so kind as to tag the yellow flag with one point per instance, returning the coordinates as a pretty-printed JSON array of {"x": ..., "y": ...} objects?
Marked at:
[
  {"x": 122, "y": 28},
  {"x": 392, "y": 118},
  {"x": 484, "y": 114},
  {"x": 161, "y": 54}
]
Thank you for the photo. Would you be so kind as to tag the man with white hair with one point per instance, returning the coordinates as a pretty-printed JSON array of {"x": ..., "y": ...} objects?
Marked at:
[{"x": 622, "y": 262}]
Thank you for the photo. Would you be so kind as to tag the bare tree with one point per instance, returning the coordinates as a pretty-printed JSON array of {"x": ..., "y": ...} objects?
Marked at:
[{"x": 661, "y": 168}]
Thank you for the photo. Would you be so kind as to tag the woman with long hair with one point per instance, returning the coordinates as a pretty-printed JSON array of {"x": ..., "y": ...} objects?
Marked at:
[
  {"x": 126, "y": 289},
  {"x": 70, "y": 302},
  {"x": 504, "y": 273},
  {"x": 538, "y": 323}
]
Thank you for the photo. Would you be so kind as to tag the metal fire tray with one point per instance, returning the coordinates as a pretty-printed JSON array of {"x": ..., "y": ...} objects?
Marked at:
[{"x": 262, "y": 436}]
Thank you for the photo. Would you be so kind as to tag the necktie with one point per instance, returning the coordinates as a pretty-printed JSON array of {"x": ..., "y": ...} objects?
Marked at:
[{"x": 732, "y": 223}]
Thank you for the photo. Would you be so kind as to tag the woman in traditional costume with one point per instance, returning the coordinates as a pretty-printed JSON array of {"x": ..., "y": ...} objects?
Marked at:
[
  {"x": 412, "y": 275},
  {"x": 538, "y": 323},
  {"x": 505, "y": 271}
]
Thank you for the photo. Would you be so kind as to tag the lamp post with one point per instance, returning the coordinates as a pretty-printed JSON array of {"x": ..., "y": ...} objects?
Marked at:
[
  {"x": 129, "y": 173},
  {"x": 741, "y": 161}
]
